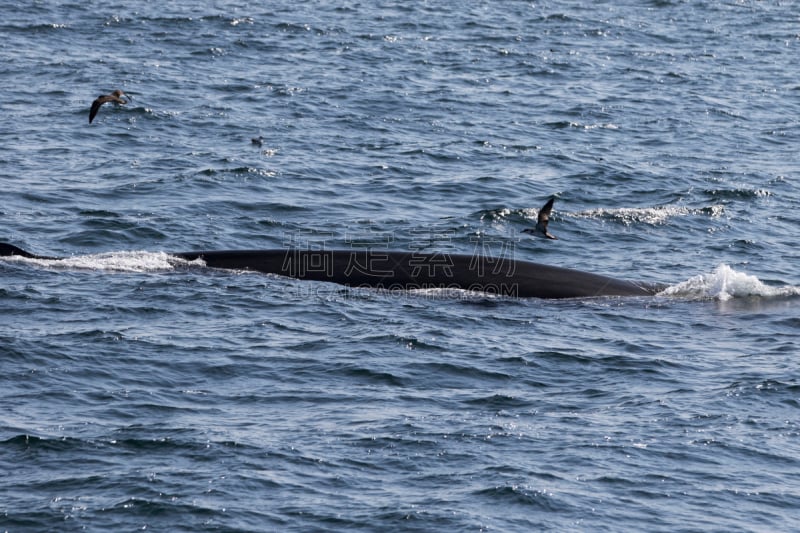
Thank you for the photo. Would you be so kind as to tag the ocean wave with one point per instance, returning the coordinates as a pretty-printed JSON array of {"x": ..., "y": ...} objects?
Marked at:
[
  {"x": 650, "y": 215},
  {"x": 654, "y": 216}
]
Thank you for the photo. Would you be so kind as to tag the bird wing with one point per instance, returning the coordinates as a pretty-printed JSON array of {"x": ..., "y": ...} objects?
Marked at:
[
  {"x": 100, "y": 100},
  {"x": 544, "y": 217},
  {"x": 544, "y": 212}
]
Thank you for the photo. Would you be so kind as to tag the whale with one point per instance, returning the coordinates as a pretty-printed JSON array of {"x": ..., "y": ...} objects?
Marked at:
[{"x": 411, "y": 270}]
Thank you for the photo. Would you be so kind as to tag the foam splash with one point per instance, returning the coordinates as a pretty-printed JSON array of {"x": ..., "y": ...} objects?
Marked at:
[{"x": 725, "y": 283}]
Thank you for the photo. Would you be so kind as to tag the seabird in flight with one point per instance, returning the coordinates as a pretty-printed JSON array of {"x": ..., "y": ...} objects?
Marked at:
[
  {"x": 541, "y": 221},
  {"x": 113, "y": 97}
]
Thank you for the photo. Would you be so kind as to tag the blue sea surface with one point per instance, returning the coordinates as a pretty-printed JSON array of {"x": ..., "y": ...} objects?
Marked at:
[{"x": 138, "y": 393}]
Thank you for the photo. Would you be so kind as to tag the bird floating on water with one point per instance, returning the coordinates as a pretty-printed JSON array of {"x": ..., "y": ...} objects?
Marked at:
[
  {"x": 541, "y": 221},
  {"x": 115, "y": 97}
]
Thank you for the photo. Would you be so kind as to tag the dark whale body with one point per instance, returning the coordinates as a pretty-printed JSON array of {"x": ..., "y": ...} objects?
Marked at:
[{"x": 398, "y": 270}]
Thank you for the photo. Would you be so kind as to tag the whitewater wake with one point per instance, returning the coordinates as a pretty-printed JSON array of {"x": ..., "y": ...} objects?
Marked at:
[
  {"x": 133, "y": 261},
  {"x": 725, "y": 283}
]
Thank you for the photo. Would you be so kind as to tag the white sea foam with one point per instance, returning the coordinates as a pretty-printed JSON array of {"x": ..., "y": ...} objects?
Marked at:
[
  {"x": 649, "y": 215},
  {"x": 725, "y": 283},
  {"x": 110, "y": 262}
]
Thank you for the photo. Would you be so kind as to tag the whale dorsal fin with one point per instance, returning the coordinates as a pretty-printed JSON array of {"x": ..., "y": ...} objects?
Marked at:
[{"x": 7, "y": 250}]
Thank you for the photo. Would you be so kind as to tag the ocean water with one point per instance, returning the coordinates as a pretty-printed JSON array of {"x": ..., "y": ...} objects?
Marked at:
[{"x": 140, "y": 394}]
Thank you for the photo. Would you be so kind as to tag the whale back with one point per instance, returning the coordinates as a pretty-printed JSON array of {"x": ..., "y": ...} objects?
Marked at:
[
  {"x": 398, "y": 270},
  {"x": 401, "y": 270}
]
